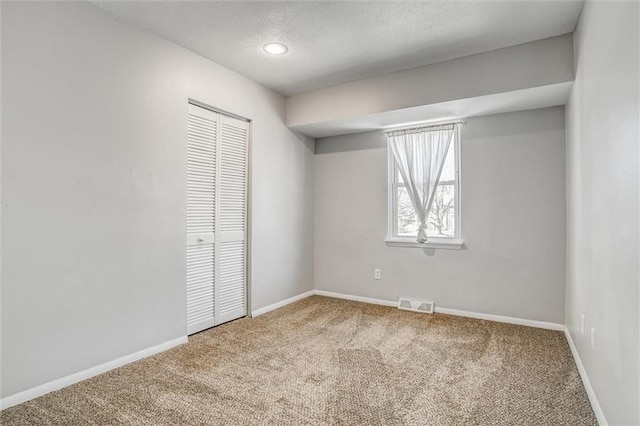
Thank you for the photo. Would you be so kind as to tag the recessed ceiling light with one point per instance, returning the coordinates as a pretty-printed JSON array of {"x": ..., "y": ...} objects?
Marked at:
[{"x": 275, "y": 48}]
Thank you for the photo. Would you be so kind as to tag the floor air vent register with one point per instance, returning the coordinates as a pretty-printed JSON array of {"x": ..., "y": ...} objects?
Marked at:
[{"x": 422, "y": 306}]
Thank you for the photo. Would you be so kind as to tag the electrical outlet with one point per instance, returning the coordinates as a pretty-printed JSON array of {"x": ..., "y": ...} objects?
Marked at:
[
  {"x": 376, "y": 274},
  {"x": 582, "y": 324},
  {"x": 593, "y": 338}
]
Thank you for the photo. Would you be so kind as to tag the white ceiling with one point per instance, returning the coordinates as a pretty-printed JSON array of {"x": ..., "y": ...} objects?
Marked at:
[{"x": 335, "y": 42}]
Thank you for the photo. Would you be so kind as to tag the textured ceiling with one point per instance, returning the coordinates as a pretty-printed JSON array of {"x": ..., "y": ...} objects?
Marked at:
[{"x": 335, "y": 42}]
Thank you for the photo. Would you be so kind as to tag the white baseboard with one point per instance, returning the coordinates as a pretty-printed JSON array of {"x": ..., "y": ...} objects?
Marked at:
[
  {"x": 501, "y": 318},
  {"x": 597, "y": 410},
  {"x": 281, "y": 303},
  {"x": 456, "y": 312},
  {"x": 355, "y": 298},
  {"x": 29, "y": 394}
]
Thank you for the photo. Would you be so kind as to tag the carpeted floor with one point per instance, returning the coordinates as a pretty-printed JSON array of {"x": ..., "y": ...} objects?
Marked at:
[{"x": 329, "y": 361}]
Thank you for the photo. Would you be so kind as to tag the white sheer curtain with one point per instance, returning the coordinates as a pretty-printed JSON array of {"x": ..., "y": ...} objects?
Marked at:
[{"x": 419, "y": 155}]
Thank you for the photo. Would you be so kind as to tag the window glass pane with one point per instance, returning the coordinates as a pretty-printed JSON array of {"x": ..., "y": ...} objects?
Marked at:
[
  {"x": 441, "y": 221},
  {"x": 449, "y": 169},
  {"x": 407, "y": 223},
  {"x": 442, "y": 216}
]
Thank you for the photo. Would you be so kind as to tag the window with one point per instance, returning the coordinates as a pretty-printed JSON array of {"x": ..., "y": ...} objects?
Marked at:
[{"x": 443, "y": 225}]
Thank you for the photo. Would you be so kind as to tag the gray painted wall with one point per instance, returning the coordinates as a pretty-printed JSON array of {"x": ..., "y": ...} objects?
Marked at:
[
  {"x": 93, "y": 189},
  {"x": 513, "y": 221},
  {"x": 602, "y": 192}
]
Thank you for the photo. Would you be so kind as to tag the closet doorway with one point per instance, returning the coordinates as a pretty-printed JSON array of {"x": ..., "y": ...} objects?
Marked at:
[{"x": 217, "y": 191}]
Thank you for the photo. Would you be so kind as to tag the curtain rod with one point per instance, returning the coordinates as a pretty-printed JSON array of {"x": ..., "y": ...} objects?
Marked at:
[{"x": 425, "y": 125}]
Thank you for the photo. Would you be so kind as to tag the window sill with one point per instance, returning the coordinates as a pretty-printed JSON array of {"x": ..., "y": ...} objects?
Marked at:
[{"x": 439, "y": 244}]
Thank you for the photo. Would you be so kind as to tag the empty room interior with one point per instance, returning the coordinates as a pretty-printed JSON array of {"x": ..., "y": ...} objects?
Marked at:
[{"x": 320, "y": 212}]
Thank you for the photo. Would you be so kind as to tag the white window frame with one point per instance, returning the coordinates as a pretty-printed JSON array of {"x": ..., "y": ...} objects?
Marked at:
[{"x": 394, "y": 240}]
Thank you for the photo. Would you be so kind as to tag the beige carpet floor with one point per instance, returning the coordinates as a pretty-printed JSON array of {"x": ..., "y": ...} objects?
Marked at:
[{"x": 325, "y": 361}]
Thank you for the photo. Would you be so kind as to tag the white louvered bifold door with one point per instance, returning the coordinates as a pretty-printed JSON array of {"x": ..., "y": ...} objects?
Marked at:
[
  {"x": 201, "y": 202},
  {"x": 232, "y": 219}
]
